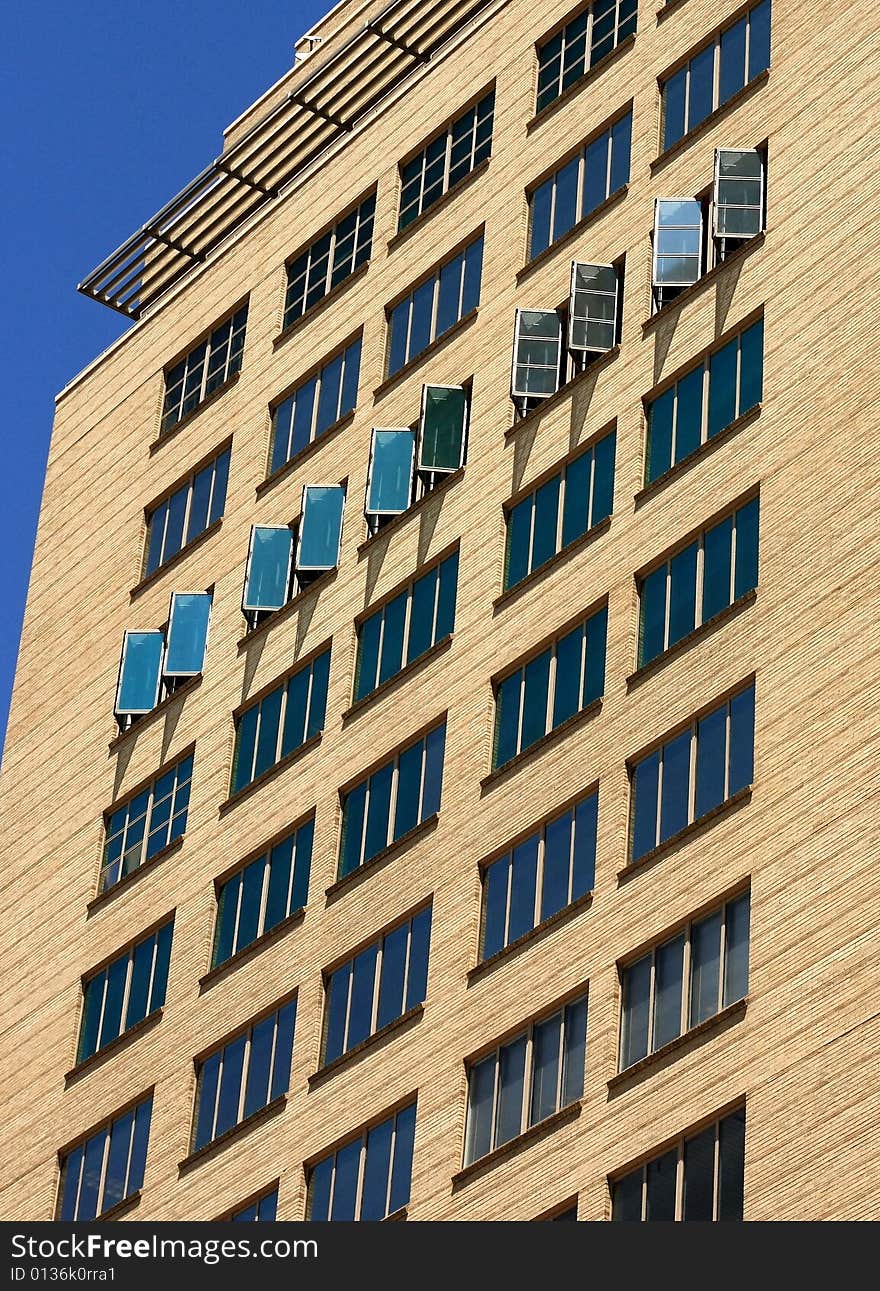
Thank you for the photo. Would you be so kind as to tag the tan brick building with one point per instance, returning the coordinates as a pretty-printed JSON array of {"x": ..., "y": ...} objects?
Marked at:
[{"x": 372, "y": 227}]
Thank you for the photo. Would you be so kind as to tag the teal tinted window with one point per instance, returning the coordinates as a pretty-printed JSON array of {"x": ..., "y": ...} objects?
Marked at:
[
  {"x": 281, "y": 722},
  {"x": 148, "y": 822},
  {"x": 130, "y": 988},
  {"x": 368, "y": 1177},
  {"x": 320, "y": 529},
  {"x": 187, "y": 634},
  {"x": 108, "y": 1167},
  {"x": 443, "y": 428},
  {"x": 389, "y": 488},
  {"x": 207, "y": 367},
  {"x": 406, "y": 626},
  {"x": 140, "y": 672},
  {"x": 329, "y": 261},
  {"x": 267, "y": 577},
  {"x": 262, "y": 895}
]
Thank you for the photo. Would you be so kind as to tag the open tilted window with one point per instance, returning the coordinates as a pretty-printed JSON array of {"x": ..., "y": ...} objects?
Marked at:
[{"x": 156, "y": 661}]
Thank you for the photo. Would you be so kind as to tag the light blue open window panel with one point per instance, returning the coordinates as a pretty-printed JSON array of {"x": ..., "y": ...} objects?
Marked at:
[
  {"x": 267, "y": 575},
  {"x": 320, "y": 528},
  {"x": 389, "y": 482},
  {"x": 188, "y": 622},
  {"x": 140, "y": 673},
  {"x": 678, "y": 241},
  {"x": 442, "y": 428}
]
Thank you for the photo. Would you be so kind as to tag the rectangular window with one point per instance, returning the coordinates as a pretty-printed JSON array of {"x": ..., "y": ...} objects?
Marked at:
[
  {"x": 156, "y": 659},
  {"x": 329, "y": 260},
  {"x": 560, "y": 510},
  {"x": 393, "y": 800},
  {"x": 281, "y": 722},
  {"x": 381, "y": 983},
  {"x": 205, "y": 369},
  {"x": 406, "y": 626},
  {"x": 684, "y": 980},
  {"x": 678, "y": 250},
  {"x": 125, "y": 992},
  {"x": 250, "y": 1071},
  {"x": 434, "y": 306},
  {"x": 699, "y": 1177},
  {"x": 442, "y": 428},
  {"x": 738, "y": 197},
  {"x": 268, "y": 890},
  {"x": 145, "y": 824},
  {"x": 718, "y": 567},
  {"x": 537, "y": 354},
  {"x": 263, "y": 1210},
  {"x": 717, "y": 71},
  {"x": 319, "y": 536},
  {"x": 705, "y": 400},
  {"x": 539, "y": 876},
  {"x": 369, "y": 1176},
  {"x": 526, "y": 1080},
  {"x": 581, "y": 44},
  {"x": 315, "y": 406},
  {"x": 191, "y": 509},
  {"x": 693, "y": 773},
  {"x": 390, "y": 476},
  {"x": 446, "y": 160},
  {"x": 549, "y": 688},
  {"x": 106, "y": 1167},
  {"x": 579, "y": 186}
]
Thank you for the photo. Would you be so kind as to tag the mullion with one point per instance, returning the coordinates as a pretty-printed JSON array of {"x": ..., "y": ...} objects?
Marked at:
[{"x": 359, "y": 1184}]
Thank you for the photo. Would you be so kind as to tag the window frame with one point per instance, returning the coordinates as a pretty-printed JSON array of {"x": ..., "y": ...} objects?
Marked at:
[
  {"x": 361, "y": 1136},
  {"x": 473, "y": 104},
  {"x": 125, "y": 803},
  {"x": 166, "y": 427},
  {"x": 127, "y": 954},
  {"x": 306, "y": 250},
  {"x": 559, "y": 29},
  {"x": 186, "y": 481},
  {"x": 316, "y": 374},
  {"x": 81, "y": 1142},
  {"x": 460, "y": 251}
]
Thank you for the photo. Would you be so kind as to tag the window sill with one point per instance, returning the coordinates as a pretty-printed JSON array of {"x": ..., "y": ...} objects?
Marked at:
[
  {"x": 558, "y": 395},
  {"x": 374, "y": 1041},
  {"x": 439, "y": 647},
  {"x": 148, "y": 718},
  {"x": 269, "y": 774},
  {"x": 680, "y": 144},
  {"x": 513, "y": 1146},
  {"x": 347, "y": 881},
  {"x": 120, "y": 1042},
  {"x": 613, "y": 198},
  {"x": 583, "y": 715},
  {"x": 120, "y": 1208},
  {"x": 393, "y": 525},
  {"x": 536, "y": 575},
  {"x": 253, "y": 948},
  {"x": 401, "y": 236},
  {"x": 176, "y": 558},
  {"x": 319, "y": 305},
  {"x": 255, "y": 1118},
  {"x": 567, "y": 95},
  {"x": 295, "y": 602},
  {"x": 528, "y": 938},
  {"x": 645, "y": 862},
  {"x": 707, "y": 279},
  {"x": 164, "y": 436},
  {"x": 697, "y": 634},
  {"x": 697, "y": 455},
  {"x": 128, "y": 879},
  {"x": 428, "y": 352},
  {"x": 716, "y": 1023},
  {"x": 304, "y": 454}
]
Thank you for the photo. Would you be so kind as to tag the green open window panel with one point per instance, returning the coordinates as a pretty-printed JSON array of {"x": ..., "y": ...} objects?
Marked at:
[
  {"x": 320, "y": 528},
  {"x": 267, "y": 575},
  {"x": 140, "y": 673},
  {"x": 390, "y": 478},
  {"x": 187, "y": 642},
  {"x": 442, "y": 428}
]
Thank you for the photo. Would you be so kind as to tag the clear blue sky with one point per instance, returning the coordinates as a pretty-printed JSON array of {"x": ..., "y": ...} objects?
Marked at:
[{"x": 109, "y": 107}]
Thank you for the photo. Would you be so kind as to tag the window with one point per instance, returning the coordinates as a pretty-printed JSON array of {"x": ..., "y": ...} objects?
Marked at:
[
  {"x": 280, "y": 723},
  {"x": 406, "y": 626},
  {"x": 145, "y": 824},
  {"x": 526, "y": 1080},
  {"x": 678, "y": 246},
  {"x": 705, "y": 401},
  {"x": 549, "y": 688},
  {"x": 191, "y": 509},
  {"x": 386, "y": 980},
  {"x": 435, "y": 306},
  {"x": 700, "y": 1177},
  {"x": 699, "y": 581},
  {"x": 579, "y": 186},
  {"x": 268, "y": 890},
  {"x": 250, "y": 1071},
  {"x": 315, "y": 406},
  {"x": 125, "y": 992},
  {"x": 263, "y": 1210},
  {"x": 284, "y": 559},
  {"x": 560, "y": 510},
  {"x": 154, "y": 660},
  {"x": 329, "y": 261},
  {"x": 539, "y": 876},
  {"x": 684, "y": 981},
  {"x": 537, "y": 355},
  {"x": 107, "y": 1167},
  {"x": 693, "y": 773},
  {"x": 205, "y": 369},
  {"x": 581, "y": 44},
  {"x": 391, "y": 473},
  {"x": 393, "y": 800},
  {"x": 717, "y": 71},
  {"x": 446, "y": 160},
  {"x": 738, "y": 195},
  {"x": 369, "y": 1176}
]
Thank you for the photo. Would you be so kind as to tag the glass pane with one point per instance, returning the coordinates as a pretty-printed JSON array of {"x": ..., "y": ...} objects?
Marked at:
[
  {"x": 394, "y": 956},
  {"x": 174, "y": 526},
  {"x": 716, "y": 568},
  {"x": 689, "y": 414},
  {"x": 699, "y": 1176},
  {"x": 187, "y": 634},
  {"x": 377, "y": 1169},
  {"x": 318, "y": 698},
  {"x": 397, "y": 329},
  {"x": 659, "y": 452},
  {"x": 360, "y": 1009},
  {"x": 141, "y": 665},
  {"x": 139, "y": 988},
  {"x": 294, "y": 732},
  {"x": 420, "y": 939},
  {"x": 230, "y": 1085},
  {"x": 198, "y": 508},
  {"x": 269, "y": 573},
  {"x": 759, "y": 38},
  {"x": 509, "y": 1119},
  {"x": 675, "y": 786},
  {"x": 435, "y": 747},
  {"x": 576, "y": 505},
  {"x": 473, "y": 270},
  {"x": 218, "y": 495},
  {"x": 736, "y": 950},
  {"x": 267, "y": 1207},
  {"x": 319, "y": 1190},
  {"x": 245, "y": 743},
  {"x": 668, "y": 980},
  {"x": 267, "y": 739},
  {"x": 603, "y": 479},
  {"x": 345, "y": 1181},
  {"x": 251, "y": 900},
  {"x": 661, "y": 1179},
  {"x": 595, "y": 185},
  {"x": 545, "y": 1068},
  {"x": 673, "y": 108},
  {"x": 401, "y": 1172},
  {"x": 557, "y": 866},
  {"x": 574, "y": 1049},
  {"x": 321, "y": 527},
  {"x": 226, "y": 910},
  {"x": 328, "y": 400},
  {"x": 138, "y": 1159},
  {"x": 594, "y": 665},
  {"x": 626, "y": 1200},
  {"x": 302, "y": 864},
  {"x": 421, "y": 622},
  {"x": 634, "y": 1015},
  {"x": 722, "y": 388},
  {"x": 481, "y": 1087},
  {"x": 378, "y": 812},
  {"x": 702, "y": 72},
  {"x": 91, "y": 1177},
  {"x": 565, "y": 209},
  {"x": 646, "y": 776},
  {"x": 443, "y": 418},
  {"x": 303, "y": 416},
  {"x": 711, "y": 747},
  {"x": 733, "y": 61},
  {"x": 446, "y": 597},
  {"x": 507, "y": 719},
  {"x": 567, "y": 686},
  {"x": 353, "y": 807},
  {"x": 280, "y": 860},
  {"x": 621, "y": 137},
  {"x": 350, "y": 377},
  {"x": 731, "y": 1166},
  {"x": 742, "y": 740},
  {"x": 652, "y": 633},
  {"x": 535, "y": 688},
  {"x": 448, "y": 297},
  {"x": 391, "y": 658},
  {"x": 205, "y": 1100},
  {"x": 337, "y": 1012},
  {"x": 524, "y": 878},
  {"x": 519, "y": 529},
  {"x": 751, "y": 371},
  {"x": 259, "y": 1062},
  {"x": 368, "y": 655},
  {"x": 495, "y": 882},
  {"x": 705, "y": 968},
  {"x": 111, "y": 1023},
  {"x": 391, "y": 472},
  {"x": 585, "y": 824},
  {"x": 117, "y": 1161},
  {"x": 409, "y": 785},
  {"x": 545, "y": 526},
  {"x": 542, "y": 200},
  {"x": 746, "y": 575},
  {"x": 283, "y": 1050}
]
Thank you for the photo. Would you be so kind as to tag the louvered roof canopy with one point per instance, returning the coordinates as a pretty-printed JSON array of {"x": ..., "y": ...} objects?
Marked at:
[{"x": 320, "y": 109}]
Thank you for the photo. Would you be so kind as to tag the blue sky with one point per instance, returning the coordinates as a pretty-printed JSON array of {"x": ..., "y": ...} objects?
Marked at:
[{"x": 108, "y": 108}]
